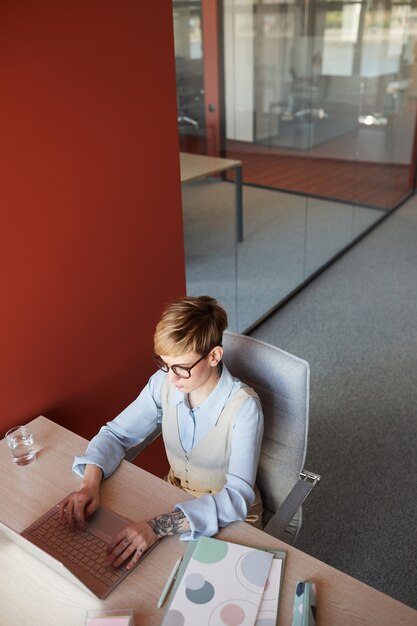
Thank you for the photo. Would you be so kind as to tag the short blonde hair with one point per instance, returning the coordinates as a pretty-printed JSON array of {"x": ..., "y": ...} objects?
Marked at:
[{"x": 190, "y": 324}]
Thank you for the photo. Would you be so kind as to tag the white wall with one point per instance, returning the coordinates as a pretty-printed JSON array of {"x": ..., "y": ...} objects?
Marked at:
[{"x": 239, "y": 69}]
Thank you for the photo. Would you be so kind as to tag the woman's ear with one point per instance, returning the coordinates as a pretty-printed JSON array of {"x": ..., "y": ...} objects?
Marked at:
[{"x": 216, "y": 356}]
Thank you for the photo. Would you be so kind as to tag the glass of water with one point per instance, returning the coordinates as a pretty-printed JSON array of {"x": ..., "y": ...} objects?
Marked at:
[{"x": 21, "y": 442}]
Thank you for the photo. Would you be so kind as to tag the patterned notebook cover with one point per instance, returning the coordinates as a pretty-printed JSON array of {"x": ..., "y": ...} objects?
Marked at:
[{"x": 222, "y": 584}]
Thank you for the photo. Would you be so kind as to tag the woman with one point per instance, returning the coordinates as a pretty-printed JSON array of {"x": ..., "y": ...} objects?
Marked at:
[{"x": 212, "y": 427}]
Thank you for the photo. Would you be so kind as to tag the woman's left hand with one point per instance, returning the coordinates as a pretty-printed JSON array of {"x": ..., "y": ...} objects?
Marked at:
[{"x": 130, "y": 543}]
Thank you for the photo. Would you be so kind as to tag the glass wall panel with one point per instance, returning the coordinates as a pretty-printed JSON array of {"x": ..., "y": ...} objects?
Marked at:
[
  {"x": 320, "y": 106},
  {"x": 210, "y": 242},
  {"x": 387, "y": 118},
  {"x": 188, "y": 38},
  {"x": 327, "y": 84},
  {"x": 329, "y": 113},
  {"x": 270, "y": 259}
]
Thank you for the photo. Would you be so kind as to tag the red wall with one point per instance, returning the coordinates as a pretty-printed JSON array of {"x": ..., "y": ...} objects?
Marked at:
[
  {"x": 211, "y": 39},
  {"x": 91, "y": 240}
]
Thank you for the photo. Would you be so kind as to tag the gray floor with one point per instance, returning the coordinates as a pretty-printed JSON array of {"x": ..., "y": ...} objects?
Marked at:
[
  {"x": 286, "y": 239},
  {"x": 357, "y": 326}
]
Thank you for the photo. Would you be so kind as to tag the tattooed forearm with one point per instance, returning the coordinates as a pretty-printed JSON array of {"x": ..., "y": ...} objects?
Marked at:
[{"x": 169, "y": 523}]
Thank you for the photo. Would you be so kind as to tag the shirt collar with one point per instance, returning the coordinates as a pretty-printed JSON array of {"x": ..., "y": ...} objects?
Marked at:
[{"x": 214, "y": 404}]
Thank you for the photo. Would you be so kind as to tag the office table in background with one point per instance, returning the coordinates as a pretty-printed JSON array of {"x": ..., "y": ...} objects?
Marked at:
[
  {"x": 195, "y": 166},
  {"x": 31, "y": 594}
]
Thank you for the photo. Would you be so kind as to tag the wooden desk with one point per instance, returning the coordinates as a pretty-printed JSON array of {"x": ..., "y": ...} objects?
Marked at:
[
  {"x": 31, "y": 594},
  {"x": 195, "y": 166}
]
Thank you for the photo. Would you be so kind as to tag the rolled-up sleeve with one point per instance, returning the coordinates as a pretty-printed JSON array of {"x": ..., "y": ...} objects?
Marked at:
[
  {"x": 129, "y": 428},
  {"x": 208, "y": 513}
]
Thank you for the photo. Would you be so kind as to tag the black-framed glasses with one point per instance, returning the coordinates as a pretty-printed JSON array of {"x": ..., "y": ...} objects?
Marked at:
[{"x": 182, "y": 371}]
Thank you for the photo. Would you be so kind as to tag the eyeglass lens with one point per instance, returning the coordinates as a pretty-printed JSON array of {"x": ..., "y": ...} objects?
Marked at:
[{"x": 182, "y": 372}]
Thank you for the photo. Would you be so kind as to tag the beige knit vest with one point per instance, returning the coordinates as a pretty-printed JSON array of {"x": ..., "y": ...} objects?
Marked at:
[{"x": 203, "y": 469}]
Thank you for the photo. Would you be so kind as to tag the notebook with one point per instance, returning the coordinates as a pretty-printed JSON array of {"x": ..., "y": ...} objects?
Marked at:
[
  {"x": 269, "y": 606},
  {"x": 220, "y": 583},
  {"x": 77, "y": 555}
]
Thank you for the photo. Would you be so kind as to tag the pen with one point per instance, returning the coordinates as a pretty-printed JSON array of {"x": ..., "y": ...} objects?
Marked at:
[{"x": 168, "y": 584}]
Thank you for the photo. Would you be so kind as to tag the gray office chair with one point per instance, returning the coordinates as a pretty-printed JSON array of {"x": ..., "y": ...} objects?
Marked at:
[{"x": 282, "y": 382}]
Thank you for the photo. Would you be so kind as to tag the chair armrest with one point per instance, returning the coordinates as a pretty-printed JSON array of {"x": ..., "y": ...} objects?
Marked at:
[
  {"x": 286, "y": 512},
  {"x": 132, "y": 453}
]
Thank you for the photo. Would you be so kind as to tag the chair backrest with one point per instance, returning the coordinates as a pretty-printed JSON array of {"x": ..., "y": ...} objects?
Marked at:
[{"x": 282, "y": 382}]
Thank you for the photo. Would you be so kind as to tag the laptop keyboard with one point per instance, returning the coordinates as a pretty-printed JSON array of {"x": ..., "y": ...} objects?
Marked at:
[{"x": 80, "y": 547}]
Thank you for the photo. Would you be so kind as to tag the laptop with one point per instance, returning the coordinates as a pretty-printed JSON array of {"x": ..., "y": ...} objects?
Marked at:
[{"x": 76, "y": 554}]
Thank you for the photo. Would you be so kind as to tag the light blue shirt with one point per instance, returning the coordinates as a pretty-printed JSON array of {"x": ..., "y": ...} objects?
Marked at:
[{"x": 209, "y": 512}]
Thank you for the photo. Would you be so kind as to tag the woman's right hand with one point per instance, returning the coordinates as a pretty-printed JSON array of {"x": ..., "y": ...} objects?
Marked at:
[{"x": 79, "y": 505}]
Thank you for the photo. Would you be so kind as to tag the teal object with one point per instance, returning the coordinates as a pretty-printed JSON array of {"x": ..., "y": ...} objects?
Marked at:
[
  {"x": 210, "y": 550},
  {"x": 304, "y": 604}
]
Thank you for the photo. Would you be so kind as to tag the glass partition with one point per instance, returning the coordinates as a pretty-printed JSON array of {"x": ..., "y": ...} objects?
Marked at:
[
  {"x": 271, "y": 257},
  {"x": 326, "y": 85},
  {"x": 210, "y": 242},
  {"x": 188, "y": 38},
  {"x": 320, "y": 107}
]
